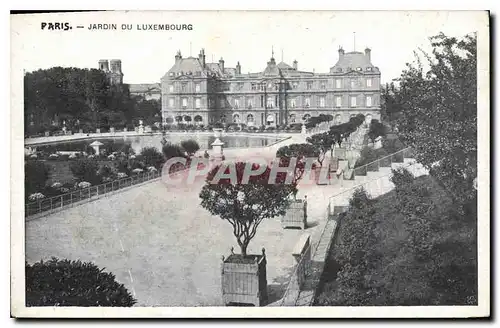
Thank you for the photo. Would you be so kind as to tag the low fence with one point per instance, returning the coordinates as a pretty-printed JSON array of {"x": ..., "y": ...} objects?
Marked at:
[
  {"x": 300, "y": 271},
  {"x": 86, "y": 194},
  {"x": 386, "y": 161}
]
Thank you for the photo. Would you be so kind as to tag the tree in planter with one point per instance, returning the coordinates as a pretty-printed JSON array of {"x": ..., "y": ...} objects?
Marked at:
[
  {"x": 152, "y": 157},
  {"x": 245, "y": 205},
  {"x": 299, "y": 151},
  {"x": 86, "y": 169},
  {"x": 190, "y": 146},
  {"x": 36, "y": 174},
  {"x": 376, "y": 130},
  {"x": 323, "y": 142},
  {"x": 73, "y": 283}
]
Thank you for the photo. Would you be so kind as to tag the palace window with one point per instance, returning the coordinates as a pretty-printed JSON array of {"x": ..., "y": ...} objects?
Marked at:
[
  {"x": 236, "y": 103},
  {"x": 358, "y": 69},
  {"x": 295, "y": 85},
  {"x": 338, "y": 83},
  {"x": 293, "y": 102},
  {"x": 254, "y": 86},
  {"x": 307, "y": 101},
  {"x": 338, "y": 101},
  {"x": 183, "y": 87},
  {"x": 368, "y": 101},
  {"x": 322, "y": 85},
  {"x": 322, "y": 101},
  {"x": 309, "y": 85},
  {"x": 270, "y": 102},
  {"x": 369, "y": 69},
  {"x": 197, "y": 103},
  {"x": 353, "y": 83},
  {"x": 170, "y": 88},
  {"x": 197, "y": 87},
  {"x": 249, "y": 103},
  {"x": 368, "y": 82},
  {"x": 184, "y": 102},
  {"x": 171, "y": 102},
  {"x": 353, "y": 101}
]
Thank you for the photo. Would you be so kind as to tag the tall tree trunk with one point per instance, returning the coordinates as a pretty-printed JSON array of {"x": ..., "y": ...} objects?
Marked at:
[{"x": 243, "y": 247}]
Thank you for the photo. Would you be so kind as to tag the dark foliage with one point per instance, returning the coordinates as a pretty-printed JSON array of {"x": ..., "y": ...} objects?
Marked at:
[{"x": 73, "y": 283}]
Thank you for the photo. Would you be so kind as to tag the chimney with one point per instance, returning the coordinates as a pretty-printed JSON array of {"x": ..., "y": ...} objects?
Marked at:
[
  {"x": 295, "y": 67},
  {"x": 368, "y": 53},
  {"x": 221, "y": 64},
  {"x": 238, "y": 68},
  {"x": 341, "y": 52},
  {"x": 178, "y": 56},
  {"x": 201, "y": 57}
]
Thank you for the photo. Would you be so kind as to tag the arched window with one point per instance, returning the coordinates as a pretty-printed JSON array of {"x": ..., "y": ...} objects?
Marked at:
[
  {"x": 198, "y": 119},
  {"x": 249, "y": 118},
  {"x": 236, "y": 118}
]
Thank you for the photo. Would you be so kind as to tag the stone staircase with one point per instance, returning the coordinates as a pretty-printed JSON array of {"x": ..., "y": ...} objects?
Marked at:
[{"x": 376, "y": 182}]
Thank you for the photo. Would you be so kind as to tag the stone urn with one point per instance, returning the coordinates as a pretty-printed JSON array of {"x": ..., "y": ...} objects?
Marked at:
[
  {"x": 217, "y": 133},
  {"x": 244, "y": 279}
]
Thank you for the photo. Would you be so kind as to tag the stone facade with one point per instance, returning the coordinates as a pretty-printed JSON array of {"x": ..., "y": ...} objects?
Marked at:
[
  {"x": 114, "y": 73},
  {"x": 194, "y": 91}
]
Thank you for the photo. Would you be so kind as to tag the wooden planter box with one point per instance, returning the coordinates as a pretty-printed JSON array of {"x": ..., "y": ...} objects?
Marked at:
[
  {"x": 244, "y": 280},
  {"x": 296, "y": 215}
]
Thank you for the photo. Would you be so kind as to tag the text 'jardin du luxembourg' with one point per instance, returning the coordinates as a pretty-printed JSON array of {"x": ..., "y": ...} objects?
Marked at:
[{"x": 142, "y": 27}]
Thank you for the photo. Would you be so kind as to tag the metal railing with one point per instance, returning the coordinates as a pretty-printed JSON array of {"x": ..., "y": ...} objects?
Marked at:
[
  {"x": 295, "y": 283},
  {"x": 86, "y": 194},
  {"x": 374, "y": 166},
  {"x": 386, "y": 161}
]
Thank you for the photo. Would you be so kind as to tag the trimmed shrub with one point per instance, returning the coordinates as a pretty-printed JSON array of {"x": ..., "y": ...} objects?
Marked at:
[
  {"x": 190, "y": 146},
  {"x": 152, "y": 156},
  {"x": 73, "y": 283},
  {"x": 36, "y": 174},
  {"x": 86, "y": 169}
]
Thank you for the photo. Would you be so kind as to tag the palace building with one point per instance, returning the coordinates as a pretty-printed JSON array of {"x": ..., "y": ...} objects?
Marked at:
[{"x": 195, "y": 91}]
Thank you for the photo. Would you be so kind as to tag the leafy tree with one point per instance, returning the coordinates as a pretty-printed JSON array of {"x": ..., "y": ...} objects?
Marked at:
[
  {"x": 86, "y": 169},
  {"x": 439, "y": 113},
  {"x": 190, "y": 146},
  {"x": 171, "y": 150},
  {"x": 322, "y": 142},
  {"x": 73, "y": 283},
  {"x": 245, "y": 205},
  {"x": 376, "y": 130},
  {"x": 152, "y": 157},
  {"x": 36, "y": 174},
  {"x": 299, "y": 151}
]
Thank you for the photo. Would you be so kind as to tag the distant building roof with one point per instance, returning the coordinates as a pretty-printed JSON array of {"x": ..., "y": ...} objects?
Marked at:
[
  {"x": 187, "y": 65},
  {"x": 145, "y": 88},
  {"x": 283, "y": 65},
  {"x": 351, "y": 61}
]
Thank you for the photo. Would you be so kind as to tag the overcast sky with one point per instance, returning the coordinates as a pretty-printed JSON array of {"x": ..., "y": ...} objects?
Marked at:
[{"x": 312, "y": 38}]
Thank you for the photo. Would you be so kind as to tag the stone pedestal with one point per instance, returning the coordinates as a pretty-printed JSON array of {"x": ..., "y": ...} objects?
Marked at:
[
  {"x": 112, "y": 129},
  {"x": 97, "y": 130},
  {"x": 217, "y": 147}
]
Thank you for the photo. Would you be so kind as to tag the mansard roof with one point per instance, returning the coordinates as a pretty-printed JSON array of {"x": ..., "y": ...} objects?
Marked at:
[{"x": 351, "y": 61}]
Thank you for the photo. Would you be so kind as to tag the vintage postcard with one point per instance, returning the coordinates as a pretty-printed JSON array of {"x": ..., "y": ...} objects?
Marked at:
[{"x": 250, "y": 164}]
